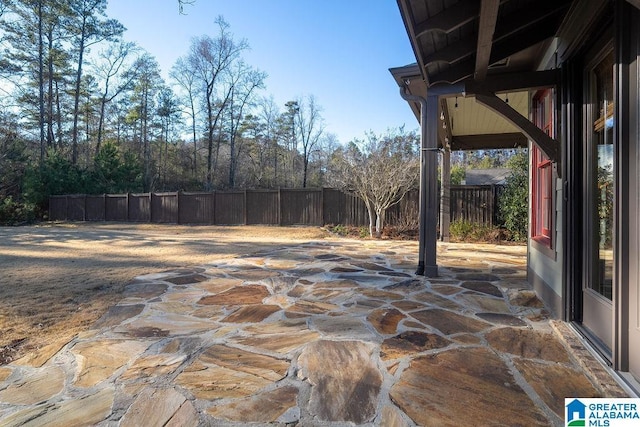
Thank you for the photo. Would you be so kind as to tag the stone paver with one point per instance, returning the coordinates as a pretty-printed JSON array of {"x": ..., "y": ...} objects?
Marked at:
[{"x": 326, "y": 333}]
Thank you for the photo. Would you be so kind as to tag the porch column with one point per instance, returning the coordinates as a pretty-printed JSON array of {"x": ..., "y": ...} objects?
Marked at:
[
  {"x": 445, "y": 194},
  {"x": 430, "y": 164},
  {"x": 428, "y": 179}
]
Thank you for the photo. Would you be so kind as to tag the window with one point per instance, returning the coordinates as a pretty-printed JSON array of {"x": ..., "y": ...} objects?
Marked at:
[{"x": 542, "y": 191}]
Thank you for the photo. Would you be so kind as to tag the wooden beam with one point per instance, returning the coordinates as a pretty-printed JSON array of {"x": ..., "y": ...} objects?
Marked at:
[
  {"x": 501, "y": 50},
  {"x": 453, "y": 52},
  {"x": 489, "y": 141},
  {"x": 446, "y": 89},
  {"x": 535, "y": 14},
  {"x": 486, "y": 28},
  {"x": 513, "y": 82},
  {"x": 445, "y": 131},
  {"x": 548, "y": 145},
  {"x": 449, "y": 19},
  {"x": 507, "y": 46}
]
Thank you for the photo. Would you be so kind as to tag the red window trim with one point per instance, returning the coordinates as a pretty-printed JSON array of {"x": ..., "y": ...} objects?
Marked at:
[{"x": 542, "y": 203}]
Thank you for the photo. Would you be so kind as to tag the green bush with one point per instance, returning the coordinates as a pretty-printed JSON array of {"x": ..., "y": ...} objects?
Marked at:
[
  {"x": 13, "y": 212},
  {"x": 114, "y": 172},
  {"x": 461, "y": 230},
  {"x": 513, "y": 203},
  {"x": 56, "y": 175},
  {"x": 466, "y": 231}
]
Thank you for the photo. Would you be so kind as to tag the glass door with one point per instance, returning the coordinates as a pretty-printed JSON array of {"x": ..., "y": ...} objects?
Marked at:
[{"x": 599, "y": 212}]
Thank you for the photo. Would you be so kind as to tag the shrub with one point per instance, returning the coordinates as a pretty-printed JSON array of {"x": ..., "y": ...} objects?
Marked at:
[
  {"x": 339, "y": 229},
  {"x": 513, "y": 202},
  {"x": 13, "y": 212},
  {"x": 466, "y": 231},
  {"x": 56, "y": 175}
]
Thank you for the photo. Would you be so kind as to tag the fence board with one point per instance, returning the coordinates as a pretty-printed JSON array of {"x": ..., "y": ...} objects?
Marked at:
[
  {"x": 301, "y": 207},
  {"x": 229, "y": 208},
  {"x": 357, "y": 214},
  {"x": 58, "y": 208},
  {"x": 76, "y": 207},
  {"x": 334, "y": 206},
  {"x": 140, "y": 207},
  {"x": 164, "y": 208},
  {"x": 95, "y": 207},
  {"x": 116, "y": 208},
  {"x": 196, "y": 208},
  {"x": 474, "y": 203},
  {"x": 263, "y": 207}
]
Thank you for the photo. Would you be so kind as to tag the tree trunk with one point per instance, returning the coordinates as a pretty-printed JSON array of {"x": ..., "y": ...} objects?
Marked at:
[
  {"x": 208, "y": 185},
  {"x": 195, "y": 137},
  {"x": 380, "y": 213},
  {"x": 305, "y": 170},
  {"x": 50, "y": 133},
  {"x": 41, "y": 80},
  {"x": 76, "y": 96},
  {"x": 372, "y": 217},
  {"x": 103, "y": 102}
]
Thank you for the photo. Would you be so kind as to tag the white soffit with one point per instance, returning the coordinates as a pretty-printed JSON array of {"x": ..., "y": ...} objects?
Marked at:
[{"x": 471, "y": 118}]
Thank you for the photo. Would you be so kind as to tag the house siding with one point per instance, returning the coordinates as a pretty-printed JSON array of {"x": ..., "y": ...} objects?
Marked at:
[{"x": 545, "y": 267}]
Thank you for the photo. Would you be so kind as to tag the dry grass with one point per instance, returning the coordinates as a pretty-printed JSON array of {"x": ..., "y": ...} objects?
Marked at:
[{"x": 57, "y": 279}]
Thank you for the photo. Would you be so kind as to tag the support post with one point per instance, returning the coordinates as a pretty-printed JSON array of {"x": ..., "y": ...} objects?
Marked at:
[
  {"x": 445, "y": 195},
  {"x": 422, "y": 205},
  {"x": 428, "y": 178},
  {"x": 430, "y": 152}
]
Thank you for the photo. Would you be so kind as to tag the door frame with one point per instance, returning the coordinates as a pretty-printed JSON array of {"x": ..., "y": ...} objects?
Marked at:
[
  {"x": 627, "y": 223},
  {"x": 626, "y": 235},
  {"x": 598, "y": 311}
]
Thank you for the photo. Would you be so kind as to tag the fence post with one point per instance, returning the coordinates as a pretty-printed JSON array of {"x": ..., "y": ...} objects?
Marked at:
[
  {"x": 244, "y": 207},
  {"x": 279, "y": 207},
  {"x": 178, "y": 197},
  {"x": 128, "y": 213},
  {"x": 66, "y": 206},
  {"x": 322, "y": 206},
  {"x": 150, "y": 206},
  {"x": 213, "y": 211}
]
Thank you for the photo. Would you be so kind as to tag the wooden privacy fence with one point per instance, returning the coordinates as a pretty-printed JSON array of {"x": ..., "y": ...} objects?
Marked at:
[
  {"x": 475, "y": 203},
  {"x": 266, "y": 207}
]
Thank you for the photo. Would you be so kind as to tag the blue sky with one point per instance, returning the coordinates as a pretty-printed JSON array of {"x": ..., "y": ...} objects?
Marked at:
[{"x": 337, "y": 50}]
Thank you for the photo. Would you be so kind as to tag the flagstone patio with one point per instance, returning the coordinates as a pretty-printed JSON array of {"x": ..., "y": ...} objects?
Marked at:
[{"x": 318, "y": 334}]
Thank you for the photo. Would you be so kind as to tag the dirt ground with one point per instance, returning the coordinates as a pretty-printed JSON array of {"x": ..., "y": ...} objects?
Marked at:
[{"x": 56, "y": 280}]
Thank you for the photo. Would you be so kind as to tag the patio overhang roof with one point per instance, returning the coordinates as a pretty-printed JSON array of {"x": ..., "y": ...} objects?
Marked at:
[{"x": 489, "y": 51}]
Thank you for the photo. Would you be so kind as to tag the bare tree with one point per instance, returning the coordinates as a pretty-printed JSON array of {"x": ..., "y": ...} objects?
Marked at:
[
  {"x": 211, "y": 61},
  {"x": 269, "y": 114},
  {"x": 310, "y": 127},
  {"x": 186, "y": 80},
  {"x": 112, "y": 63},
  {"x": 88, "y": 29},
  {"x": 167, "y": 111},
  {"x": 379, "y": 171},
  {"x": 245, "y": 81}
]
